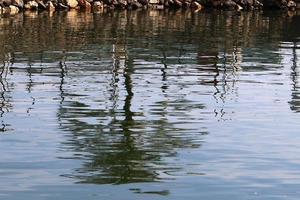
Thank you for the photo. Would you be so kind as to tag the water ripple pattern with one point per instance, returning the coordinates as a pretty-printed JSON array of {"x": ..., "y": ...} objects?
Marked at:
[{"x": 150, "y": 105}]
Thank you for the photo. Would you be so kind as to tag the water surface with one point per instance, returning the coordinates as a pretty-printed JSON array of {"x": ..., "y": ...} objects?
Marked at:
[{"x": 150, "y": 105}]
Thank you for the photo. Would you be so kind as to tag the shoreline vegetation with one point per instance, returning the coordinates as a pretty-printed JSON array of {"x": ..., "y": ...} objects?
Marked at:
[{"x": 12, "y": 7}]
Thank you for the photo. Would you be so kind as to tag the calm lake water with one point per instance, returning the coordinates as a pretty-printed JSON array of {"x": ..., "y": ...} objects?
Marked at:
[{"x": 150, "y": 105}]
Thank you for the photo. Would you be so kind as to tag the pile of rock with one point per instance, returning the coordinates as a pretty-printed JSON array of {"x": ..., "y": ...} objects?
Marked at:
[{"x": 15, "y": 6}]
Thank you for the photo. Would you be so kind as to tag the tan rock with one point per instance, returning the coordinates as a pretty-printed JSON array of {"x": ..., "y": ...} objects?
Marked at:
[
  {"x": 31, "y": 5},
  {"x": 13, "y": 10},
  {"x": 50, "y": 7},
  {"x": 72, "y": 3}
]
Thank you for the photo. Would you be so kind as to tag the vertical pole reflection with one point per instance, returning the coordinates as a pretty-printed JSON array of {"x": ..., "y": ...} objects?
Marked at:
[
  {"x": 114, "y": 80},
  {"x": 128, "y": 87},
  {"x": 164, "y": 86},
  {"x": 4, "y": 102},
  {"x": 3, "y": 89},
  {"x": 294, "y": 103},
  {"x": 63, "y": 67}
]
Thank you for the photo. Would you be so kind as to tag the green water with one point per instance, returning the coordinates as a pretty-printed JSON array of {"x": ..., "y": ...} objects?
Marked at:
[{"x": 150, "y": 105}]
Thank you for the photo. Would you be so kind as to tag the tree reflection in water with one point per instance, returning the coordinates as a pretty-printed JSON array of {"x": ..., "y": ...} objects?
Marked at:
[{"x": 128, "y": 147}]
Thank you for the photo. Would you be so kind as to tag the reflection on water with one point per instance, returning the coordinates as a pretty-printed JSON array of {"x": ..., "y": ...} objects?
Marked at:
[
  {"x": 168, "y": 103},
  {"x": 5, "y": 103},
  {"x": 295, "y": 104}
]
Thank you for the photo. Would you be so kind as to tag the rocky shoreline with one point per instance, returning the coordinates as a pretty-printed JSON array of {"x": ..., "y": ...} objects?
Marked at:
[{"x": 11, "y": 7}]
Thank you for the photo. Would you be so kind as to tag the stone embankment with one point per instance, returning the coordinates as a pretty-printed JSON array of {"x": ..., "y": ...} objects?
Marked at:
[{"x": 15, "y": 6}]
